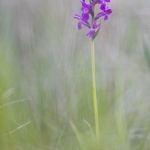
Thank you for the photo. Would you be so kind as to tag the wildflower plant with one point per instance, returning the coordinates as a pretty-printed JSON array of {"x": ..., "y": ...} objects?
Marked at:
[{"x": 90, "y": 20}]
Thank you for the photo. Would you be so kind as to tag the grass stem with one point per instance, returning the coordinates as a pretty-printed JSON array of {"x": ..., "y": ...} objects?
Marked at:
[{"x": 94, "y": 89}]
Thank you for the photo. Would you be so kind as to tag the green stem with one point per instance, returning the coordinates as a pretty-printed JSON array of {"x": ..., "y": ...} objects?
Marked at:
[{"x": 94, "y": 89}]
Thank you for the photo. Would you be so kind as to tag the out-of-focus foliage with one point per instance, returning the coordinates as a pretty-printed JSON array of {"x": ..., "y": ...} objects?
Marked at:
[{"x": 45, "y": 77}]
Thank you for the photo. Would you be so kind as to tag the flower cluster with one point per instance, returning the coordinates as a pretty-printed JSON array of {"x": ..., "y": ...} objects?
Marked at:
[{"x": 88, "y": 10}]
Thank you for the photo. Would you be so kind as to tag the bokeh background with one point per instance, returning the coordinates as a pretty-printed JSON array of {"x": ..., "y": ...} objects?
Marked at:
[{"x": 45, "y": 77}]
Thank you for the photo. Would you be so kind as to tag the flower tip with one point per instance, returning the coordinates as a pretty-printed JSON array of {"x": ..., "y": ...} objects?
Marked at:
[
  {"x": 91, "y": 33},
  {"x": 106, "y": 18},
  {"x": 76, "y": 16}
]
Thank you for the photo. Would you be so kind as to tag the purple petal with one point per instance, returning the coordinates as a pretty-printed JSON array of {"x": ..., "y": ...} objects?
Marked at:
[
  {"x": 91, "y": 33},
  {"x": 107, "y": 1},
  {"x": 85, "y": 11},
  {"x": 101, "y": 1},
  {"x": 96, "y": 1},
  {"x": 108, "y": 11},
  {"x": 85, "y": 5},
  {"x": 106, "y": 17},
  {"x": 84, "y": 23},
  {"x": 79, "y": 25},
  {"x": 76, "y": 16},
  {"x": 103, "y": 6},
  {"x": 85, "y": 16},
  {"x": 99, "y": 15},
  {"x": 95, "y": 26}
]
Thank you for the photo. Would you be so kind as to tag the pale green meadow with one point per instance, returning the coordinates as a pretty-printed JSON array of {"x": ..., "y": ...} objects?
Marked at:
[{"x": 46, "y": 80}]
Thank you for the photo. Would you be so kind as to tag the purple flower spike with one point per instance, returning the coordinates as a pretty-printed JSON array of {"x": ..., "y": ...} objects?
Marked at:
[{"x": 87, "y": 11}]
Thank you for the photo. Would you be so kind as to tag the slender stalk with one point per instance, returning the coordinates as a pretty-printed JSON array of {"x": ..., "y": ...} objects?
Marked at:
[{"x": 94, "y": 89}]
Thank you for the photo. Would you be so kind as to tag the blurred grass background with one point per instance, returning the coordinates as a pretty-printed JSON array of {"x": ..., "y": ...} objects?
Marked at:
[{"x": 45, "y": 77}]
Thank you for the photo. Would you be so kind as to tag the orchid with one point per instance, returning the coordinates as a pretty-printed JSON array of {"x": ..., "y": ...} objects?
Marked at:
[
  {"x": 88, "y": 10},
  {"x": 89, "y": 19}
]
